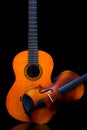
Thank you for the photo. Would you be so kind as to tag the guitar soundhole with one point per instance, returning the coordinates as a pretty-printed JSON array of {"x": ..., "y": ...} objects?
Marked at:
[{"x": 33, "y": 71}]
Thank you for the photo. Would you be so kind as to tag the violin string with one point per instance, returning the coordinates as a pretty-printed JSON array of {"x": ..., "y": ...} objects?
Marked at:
[{"x": 55, "y": 95}]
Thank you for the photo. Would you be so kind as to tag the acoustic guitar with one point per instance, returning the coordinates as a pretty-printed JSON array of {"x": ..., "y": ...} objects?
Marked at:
[{"x": 32, "y": 68}]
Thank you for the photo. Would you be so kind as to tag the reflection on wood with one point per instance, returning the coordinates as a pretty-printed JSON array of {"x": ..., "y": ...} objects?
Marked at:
[{"x": 29, "y": 126}]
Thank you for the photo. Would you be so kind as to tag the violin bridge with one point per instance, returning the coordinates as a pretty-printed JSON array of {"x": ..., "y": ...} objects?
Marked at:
[{"x": 50, "y": 98}]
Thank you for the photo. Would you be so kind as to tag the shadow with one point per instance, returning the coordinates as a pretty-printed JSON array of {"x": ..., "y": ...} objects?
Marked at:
[{"x": 30, "y": 126}]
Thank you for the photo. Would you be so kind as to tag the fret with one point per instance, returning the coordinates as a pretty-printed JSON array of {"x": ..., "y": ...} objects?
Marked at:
[
  {"x": 33, "y": 54},
  {"x": 32, "y": 62},
  {"x": 32, "y": 43},
  {"x": 33, "y": 31},
  {"x": 31, "y": 1},
  {"x": 34, "y": 50},
  {"x": 32, "y": 22},
  {"x": 32, "y": 12},
  {"x": 31, "y": 49},
  {"x": 34, "y": 46},
  {"x": 33, "y": 57},
  {"x": 32, "y": 7},
  {"x": 32, "y": 39},
  {"x": 32, "y": 35},
  {"x": 32, "y": 26},
  {"x": 32, "y": 4},
  {"x": 33, "y": 18}
]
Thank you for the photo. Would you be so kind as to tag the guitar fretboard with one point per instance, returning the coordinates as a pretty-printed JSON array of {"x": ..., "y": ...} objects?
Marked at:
[{"x": 32, "y": 33}]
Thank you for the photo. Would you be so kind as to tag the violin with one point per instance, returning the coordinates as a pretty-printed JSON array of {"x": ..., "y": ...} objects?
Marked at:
[{"x": 40, "y": 103}]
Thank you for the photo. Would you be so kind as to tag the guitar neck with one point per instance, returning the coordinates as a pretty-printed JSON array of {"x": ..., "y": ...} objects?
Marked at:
[{"x": 32, "y": 33}]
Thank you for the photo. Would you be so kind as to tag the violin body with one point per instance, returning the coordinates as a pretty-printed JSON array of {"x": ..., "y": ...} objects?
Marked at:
[
  {"x": 23, "y": 83},
  {"x": 52, "y": 98}
]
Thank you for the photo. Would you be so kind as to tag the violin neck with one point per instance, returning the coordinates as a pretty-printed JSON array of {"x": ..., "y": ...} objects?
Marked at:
[{"x": 73, "y": 84}]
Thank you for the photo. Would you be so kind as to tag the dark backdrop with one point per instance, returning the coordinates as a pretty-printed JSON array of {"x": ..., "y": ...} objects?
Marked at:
[{"x": 63, "y": 34}]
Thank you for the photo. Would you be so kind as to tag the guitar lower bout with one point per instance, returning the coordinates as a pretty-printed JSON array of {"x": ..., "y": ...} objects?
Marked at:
[{"x": 23, "y": 81}]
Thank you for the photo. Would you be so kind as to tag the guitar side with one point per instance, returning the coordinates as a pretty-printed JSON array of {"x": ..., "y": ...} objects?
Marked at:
[{"x": 22, "y": 83}]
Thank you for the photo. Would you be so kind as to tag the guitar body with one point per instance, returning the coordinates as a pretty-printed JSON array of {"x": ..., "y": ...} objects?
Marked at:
[{"x": 23, "y": 83}]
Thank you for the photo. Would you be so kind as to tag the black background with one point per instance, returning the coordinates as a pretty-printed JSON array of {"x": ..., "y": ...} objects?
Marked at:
[{"x": 63, "y": 34}]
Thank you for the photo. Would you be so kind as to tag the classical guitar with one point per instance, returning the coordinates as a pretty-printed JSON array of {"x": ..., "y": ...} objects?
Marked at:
[{"x": 32, "y": 68}]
